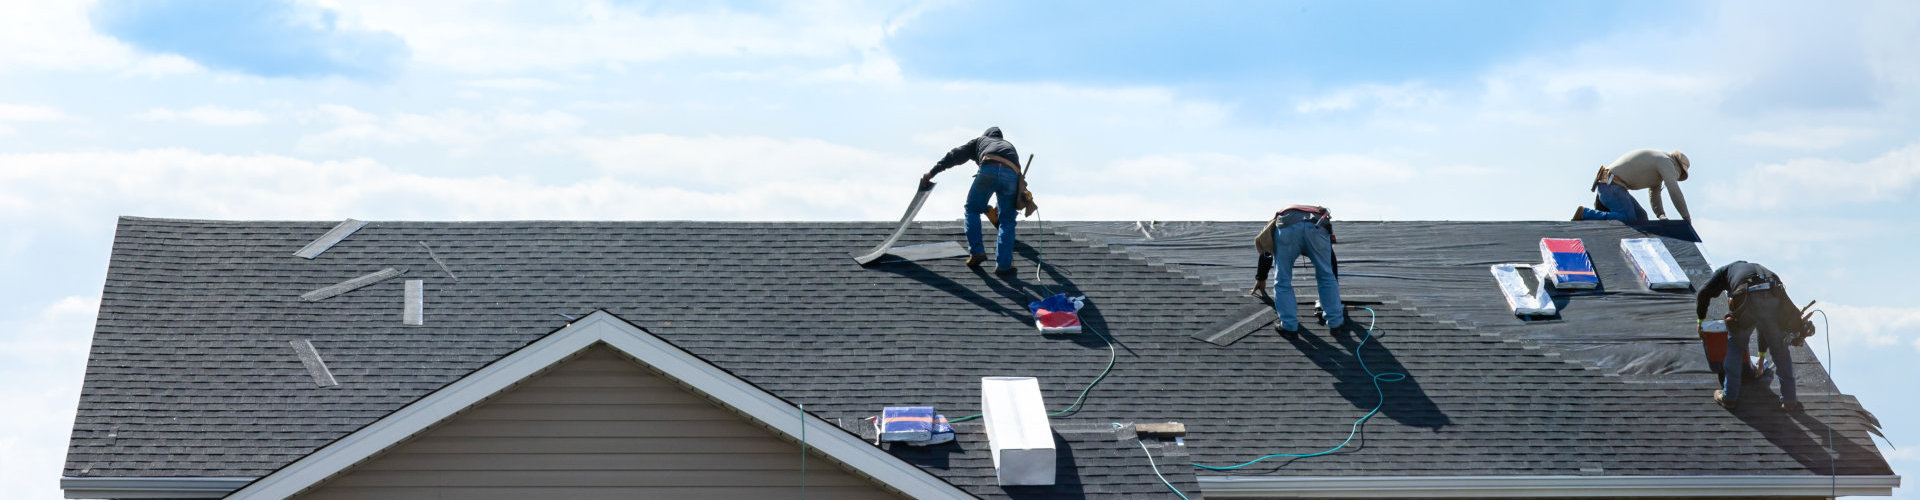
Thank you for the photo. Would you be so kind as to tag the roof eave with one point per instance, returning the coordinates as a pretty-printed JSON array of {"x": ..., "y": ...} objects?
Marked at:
[
  {"x": 1545, "y": 486},
  {"x": 151, "y": 487}
]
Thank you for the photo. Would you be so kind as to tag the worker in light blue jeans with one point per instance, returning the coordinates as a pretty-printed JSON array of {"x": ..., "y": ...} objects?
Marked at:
[
  {"x": 1308, "y": 237},
  {"x": 1002, "y": 183}
]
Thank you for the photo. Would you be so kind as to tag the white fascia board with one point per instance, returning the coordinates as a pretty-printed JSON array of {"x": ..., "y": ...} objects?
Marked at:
[
  {"x": 151, "y": 487},
  {"x": 1545, "y": 486},
  {"x": 599, "y": 327}
]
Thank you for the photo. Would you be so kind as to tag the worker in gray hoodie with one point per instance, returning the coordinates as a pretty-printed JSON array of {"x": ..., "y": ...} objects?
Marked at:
[
  {"x": 999, "y": 178},
  {"x": 1639, "y": 169}
]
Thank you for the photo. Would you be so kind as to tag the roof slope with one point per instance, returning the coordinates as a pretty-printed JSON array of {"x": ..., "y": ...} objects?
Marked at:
[{"x": 191, "y": 374}]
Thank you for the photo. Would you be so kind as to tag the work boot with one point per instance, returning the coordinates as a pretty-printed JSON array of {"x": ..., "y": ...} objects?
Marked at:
[
  {"x": 1579, "y": 213},
  {"x": 975, "y": 259},
  {"x": 1792, "y": 406},
  {"x": 1007, "y": 271},
  {"x": 1284, "y": 332},
  {"x": 993, "y": 216},
  {"x": 1720, "y": 396}
]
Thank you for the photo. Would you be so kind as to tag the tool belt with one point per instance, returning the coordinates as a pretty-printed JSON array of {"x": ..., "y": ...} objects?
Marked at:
[
  {"x": 997, "y": 161},
  {"x": 1760, "y": 284}
]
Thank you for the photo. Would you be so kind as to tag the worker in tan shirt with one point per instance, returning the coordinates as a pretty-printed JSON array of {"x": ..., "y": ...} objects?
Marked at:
[{"x": 1640, "y": 169}]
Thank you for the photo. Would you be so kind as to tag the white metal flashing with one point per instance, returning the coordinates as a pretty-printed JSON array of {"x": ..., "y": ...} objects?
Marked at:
[
  {"x": 315, "y": 366},
  {"x": 411, "y": 313},
  {"x": 599, "y": 327},
  {"x": 353, "y": 284},
  {"x": 333, "y": 237},
  {"x": 151, "y": 487},
  {"x": 1544, "y": 486}
]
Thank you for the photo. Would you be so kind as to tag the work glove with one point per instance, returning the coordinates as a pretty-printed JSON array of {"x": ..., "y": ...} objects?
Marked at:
[{"x": 926, "y": 181}]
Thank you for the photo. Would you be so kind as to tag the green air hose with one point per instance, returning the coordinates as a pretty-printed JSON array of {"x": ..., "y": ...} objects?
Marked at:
[{"x": 1377, "y": 379}]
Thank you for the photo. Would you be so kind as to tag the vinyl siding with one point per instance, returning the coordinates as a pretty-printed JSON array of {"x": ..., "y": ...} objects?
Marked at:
[{"x": 597, "y": 426}]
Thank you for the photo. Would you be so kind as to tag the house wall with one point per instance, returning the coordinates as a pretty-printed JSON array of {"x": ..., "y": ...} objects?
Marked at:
[{"x": 597, "y": 426}]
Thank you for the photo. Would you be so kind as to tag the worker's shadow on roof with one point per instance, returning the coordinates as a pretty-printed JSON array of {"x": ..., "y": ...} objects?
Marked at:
[
  {"x": 1014, "y": 292},
  {"x": 1803, "y": 436},
  {"x": 1404, "y": 401}
]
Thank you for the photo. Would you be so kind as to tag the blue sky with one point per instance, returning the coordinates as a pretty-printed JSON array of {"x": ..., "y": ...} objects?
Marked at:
[{"x": 1799, "y": 118}]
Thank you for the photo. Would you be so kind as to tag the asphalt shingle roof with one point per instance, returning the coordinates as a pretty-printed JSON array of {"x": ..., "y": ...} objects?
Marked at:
[{"x": 191, "y": 374}]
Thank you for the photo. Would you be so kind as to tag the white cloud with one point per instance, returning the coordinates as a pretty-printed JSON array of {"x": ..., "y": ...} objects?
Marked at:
[
  {"x": 1810, "y": 182},
  {"x": 69, "y": 188},
  {"x": 205, "y": 115},
  {"x": 459, "y": 131},
  {"x": 1805, "y": 137},
  {"x": 1864, "y": 329},
  {"x": 519, "y": 83},
  {"x": 494, "y": 37},
  {"x": 49, "y": 347},
  {"x": 30, "y": 113},
  {"x": 1406, "y": 95}
]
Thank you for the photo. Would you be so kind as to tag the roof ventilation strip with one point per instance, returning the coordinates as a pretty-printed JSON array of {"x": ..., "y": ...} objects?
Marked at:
[
  {"x": 333, "y": 237},
  {"x": 315, "y": 367}
]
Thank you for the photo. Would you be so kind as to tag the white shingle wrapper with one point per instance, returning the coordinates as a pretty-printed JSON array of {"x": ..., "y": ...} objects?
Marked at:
[
  {"x": 1655, "y": 265},
  {"x": 1519, "y": 299}
]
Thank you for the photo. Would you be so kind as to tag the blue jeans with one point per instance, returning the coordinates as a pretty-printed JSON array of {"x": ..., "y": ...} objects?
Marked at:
[
  {"x": 1758, "y": 313},
  {"x": 1289, "y": 243},
  {"x": 1620, "y": 205},
  {"x": 1000, "y": 183}
]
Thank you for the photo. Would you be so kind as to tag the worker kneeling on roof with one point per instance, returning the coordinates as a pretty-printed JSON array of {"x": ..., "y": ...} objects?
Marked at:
[
  {"x": 1759, "y": 303},
  {"x": 1641, "y": 169},
  {"x": 999, "y": 177},
  {"x": 1299, "y": 230}
]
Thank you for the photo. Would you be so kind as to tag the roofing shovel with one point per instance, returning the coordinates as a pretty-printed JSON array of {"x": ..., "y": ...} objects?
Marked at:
[{"x": 919, "y": 198}]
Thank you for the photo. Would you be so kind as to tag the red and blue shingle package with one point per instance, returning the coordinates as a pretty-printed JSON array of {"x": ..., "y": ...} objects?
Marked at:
[
  {"x": 1567, "y": 264},
  {"x": 1057, "y": 314}
]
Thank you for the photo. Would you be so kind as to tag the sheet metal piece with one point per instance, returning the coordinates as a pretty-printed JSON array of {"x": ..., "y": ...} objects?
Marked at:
[
  {"x": 315, "y": 366},
  {"x": 331, "y": 238},
  {"x": 913, "y": 209},
  {"x": 352, "y": 284},
  {"x": 924, "y": 251},
  {"x": 412, "y": 313},
  {"x": 1654, "y": 264}
]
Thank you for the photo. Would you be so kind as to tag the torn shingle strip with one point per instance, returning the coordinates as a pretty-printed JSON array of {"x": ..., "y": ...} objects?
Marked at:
[
  {"x": 333, "y": 237},
  {"x": 412, "y": 313},
  {"x": 352, "y": 284},
  {"x": 436, "y": 260},
  {"x": 1237, "y": 325},
  {"x": 315, "y": 367}
]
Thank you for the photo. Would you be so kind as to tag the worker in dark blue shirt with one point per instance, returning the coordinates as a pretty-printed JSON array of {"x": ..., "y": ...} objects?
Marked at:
[
  {"x": 1759, "y": 303},
  {"x": 999, "y": 177}
]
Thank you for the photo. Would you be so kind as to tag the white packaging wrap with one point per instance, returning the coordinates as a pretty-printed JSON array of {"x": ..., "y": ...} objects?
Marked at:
[
  {"x": 1655, "y": 265},
  {"x": 1522, "y": 301}
]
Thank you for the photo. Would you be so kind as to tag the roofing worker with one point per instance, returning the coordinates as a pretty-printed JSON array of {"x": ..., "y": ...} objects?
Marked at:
[
  {"x": 1759, "y": 303},
  {"x": 999, "y": 176},
  {"x": 1299, "y": 230},
  {"x": 1639, "y": 169}
]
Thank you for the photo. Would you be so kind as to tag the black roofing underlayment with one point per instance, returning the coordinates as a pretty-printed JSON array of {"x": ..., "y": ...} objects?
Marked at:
[{"x": 190, "y": 374}]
